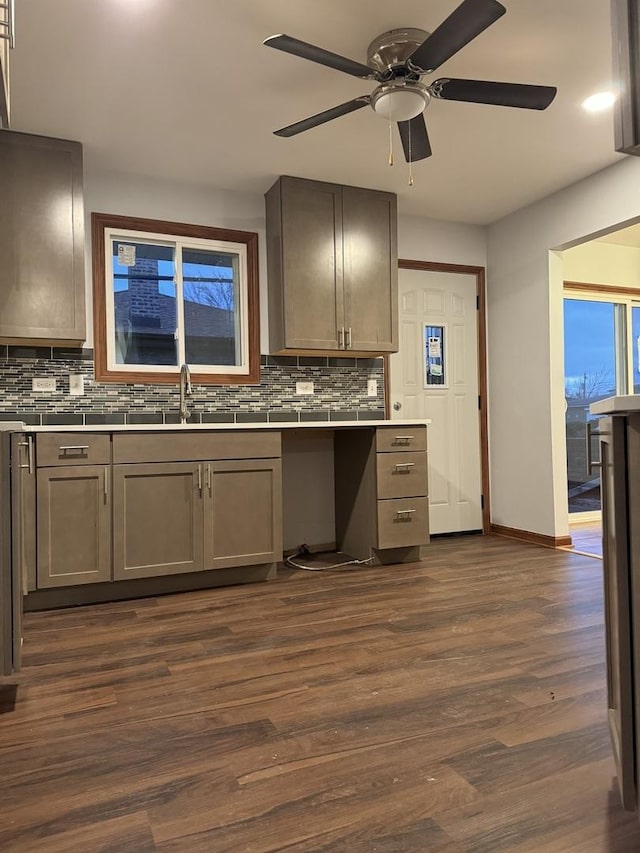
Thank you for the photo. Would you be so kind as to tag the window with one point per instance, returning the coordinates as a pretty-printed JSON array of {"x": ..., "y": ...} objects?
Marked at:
[
  {"x": 601, "y": 359},
  {"x": 167, "y": 294}
]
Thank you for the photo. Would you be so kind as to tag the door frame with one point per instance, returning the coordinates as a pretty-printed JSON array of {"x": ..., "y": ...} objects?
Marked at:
[{"x": 480, "y": 276}]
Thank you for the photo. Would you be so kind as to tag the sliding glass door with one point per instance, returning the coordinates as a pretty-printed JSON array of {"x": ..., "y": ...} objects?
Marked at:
[{"x": 601, "y": 358}]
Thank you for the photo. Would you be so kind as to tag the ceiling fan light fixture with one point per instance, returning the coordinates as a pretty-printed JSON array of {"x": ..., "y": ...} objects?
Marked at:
[{"x": 399, "y": 103}]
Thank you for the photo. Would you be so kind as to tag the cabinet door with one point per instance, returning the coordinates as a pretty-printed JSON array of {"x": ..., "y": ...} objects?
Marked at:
[
  {"x": 4, "y": 66},
  {"x": 73, "y": 525},
  {"x": 22, "y": 534},
  {"x": 633, "y": 503},
  {"x": 243, "y": 513},
  {"x": 10, "y": 581},
  {"x": 41, "y": 238},
  {"x": 157, "y": 519},
  {"x": 617, "y": 603},
  {"x": 311, "y": 221},
  {"x": 370, "y": 270}
]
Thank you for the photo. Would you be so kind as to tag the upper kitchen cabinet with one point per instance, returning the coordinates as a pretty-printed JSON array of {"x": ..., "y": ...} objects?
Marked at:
[
  {"x": 42, "y": 294},
  {"x": 333, "y": 268},
  {"x": 7, "y": 33}
]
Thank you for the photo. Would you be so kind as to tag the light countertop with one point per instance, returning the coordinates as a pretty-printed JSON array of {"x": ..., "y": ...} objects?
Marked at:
[
  {"x": 616, "y": 405},
  {"x": 221, "y": 427}
]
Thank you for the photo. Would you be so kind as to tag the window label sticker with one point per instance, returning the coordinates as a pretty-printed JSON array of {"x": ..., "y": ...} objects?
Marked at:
[{"x": 126, "y": 255}]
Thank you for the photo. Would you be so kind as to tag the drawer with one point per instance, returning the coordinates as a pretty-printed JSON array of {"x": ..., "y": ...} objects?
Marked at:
[
  {"x": 403, "y": 522},
  {"x": 194, "y": 446},
  {"x": 394, "y": 439},
  {"x": 401, "y": 475},
  {"x": 72, "y": 448}
]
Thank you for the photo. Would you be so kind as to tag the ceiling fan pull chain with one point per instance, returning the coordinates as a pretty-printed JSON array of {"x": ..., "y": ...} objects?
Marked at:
[
  {"x": 410, "y": 161},
  {"x": 390, "y": 144}
]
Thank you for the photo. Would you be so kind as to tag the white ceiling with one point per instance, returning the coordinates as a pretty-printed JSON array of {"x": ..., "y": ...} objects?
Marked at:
[{"x": 186, "y": 90}]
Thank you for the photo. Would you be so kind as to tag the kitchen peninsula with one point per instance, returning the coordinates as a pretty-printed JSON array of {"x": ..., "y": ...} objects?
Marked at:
[{"x": 109, "y": 512}]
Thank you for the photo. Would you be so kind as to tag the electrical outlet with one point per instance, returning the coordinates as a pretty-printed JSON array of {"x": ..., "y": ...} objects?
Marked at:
[
  {"x": 76, "y": 384},
  {"x": 43, "y": 383},
  {"x": 304, "y": 387},
  {"x": 372, "y": 388}
]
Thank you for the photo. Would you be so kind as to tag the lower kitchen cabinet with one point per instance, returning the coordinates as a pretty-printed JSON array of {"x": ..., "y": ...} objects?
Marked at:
[
  {"x": 619, "y": 439},
  {"x": 243, "y": 513},
  {"x": 73, "y": 525},
  {"x": 157, "y": 519},
  {"x": 382, "y": 503},
  {"x": 175, "y": 517}
]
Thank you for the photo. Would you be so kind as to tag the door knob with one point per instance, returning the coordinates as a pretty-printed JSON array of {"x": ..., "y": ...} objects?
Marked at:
[{"x": 397, "y": 406}]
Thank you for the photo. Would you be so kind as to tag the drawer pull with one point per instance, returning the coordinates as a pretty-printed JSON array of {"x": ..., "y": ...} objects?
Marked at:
[
  {"x": 401, "y": 465},
  {"x": 400, "y": 512},
  {"x": 65, "y": 447},
  {"x": 29, "y": 445},
  {"x": 403, "y": 437}
]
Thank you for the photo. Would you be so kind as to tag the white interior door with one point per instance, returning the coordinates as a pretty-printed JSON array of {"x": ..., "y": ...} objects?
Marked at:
[{"x": 435, "y": 375}]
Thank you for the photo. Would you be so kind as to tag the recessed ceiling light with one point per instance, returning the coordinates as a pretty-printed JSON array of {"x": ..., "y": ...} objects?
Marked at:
[{"x": 599, "y": 102}]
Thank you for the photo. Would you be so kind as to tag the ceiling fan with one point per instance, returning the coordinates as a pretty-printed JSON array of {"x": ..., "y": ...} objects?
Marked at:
[{"x": 398, "y": 59}]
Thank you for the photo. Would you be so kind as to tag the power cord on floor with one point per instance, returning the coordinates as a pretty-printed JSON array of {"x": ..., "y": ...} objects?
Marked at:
[{"x": 303, "y": 551}]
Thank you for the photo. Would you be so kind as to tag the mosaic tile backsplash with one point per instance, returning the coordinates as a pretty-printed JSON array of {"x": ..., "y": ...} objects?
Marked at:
[{"x": 340, "y": 387}]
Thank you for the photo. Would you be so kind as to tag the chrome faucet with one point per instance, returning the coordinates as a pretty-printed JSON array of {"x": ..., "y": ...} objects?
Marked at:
[{"x": 185, "y": 388}]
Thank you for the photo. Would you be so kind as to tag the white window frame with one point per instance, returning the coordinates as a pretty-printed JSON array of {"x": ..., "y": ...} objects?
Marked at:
[
  {"x": 105, "y": 228},
  {"x": 178, "y": 244}
]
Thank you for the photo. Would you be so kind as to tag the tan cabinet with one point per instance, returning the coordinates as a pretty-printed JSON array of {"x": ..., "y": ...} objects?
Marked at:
[
  {"x": 23, "y": 498},
  {"x": 157, "y": 519},
  {"x": 41, "y": 239},
  {"x": 243, "y": 513},
  {"x": 6, "y": 41},
  {"x": 172, "y": 517},
  {"x": 73, "y": 525},
  {"x": 382, "y": 504},
  {"x": 619, "y": 439},
  {"x": 332, "y": 268}
]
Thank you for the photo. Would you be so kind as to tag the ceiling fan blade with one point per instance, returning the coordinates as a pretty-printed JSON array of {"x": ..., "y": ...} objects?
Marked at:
[
  {"x": 501, "y": 94},
  {"x": 318, "y": 54},
  {"x": 465, "y": 23},
  {"x": 321, "y": 118},
  {"x": 415, "y": 139}
]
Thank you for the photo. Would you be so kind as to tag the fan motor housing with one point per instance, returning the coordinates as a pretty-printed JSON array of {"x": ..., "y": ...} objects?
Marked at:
[{"x": 389, "y": 51}]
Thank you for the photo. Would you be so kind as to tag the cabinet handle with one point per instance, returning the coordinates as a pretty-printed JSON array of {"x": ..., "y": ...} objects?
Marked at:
[
  {"x": 403, "y": 437},
  {"x": 404, "y": 464},
  {"x": 200, "y": 478},
  {"x": 340, "y": 338},
  {"x": 74, "y": 447},
  {"x": 106, "y": 485},
  {"x": 29, "y": 445},
  {"x": 405, "y": 511},
  {"x": 348, "y": 341},
  {"x": 209, "y": 477}
]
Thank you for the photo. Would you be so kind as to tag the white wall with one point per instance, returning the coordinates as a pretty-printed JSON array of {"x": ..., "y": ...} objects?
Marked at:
[
  {"x": 134, "y": 195},
  {"x": 526, "y": 376},
  {"x": 421, "y": 239},
  {"x": 602, "y": 263}
]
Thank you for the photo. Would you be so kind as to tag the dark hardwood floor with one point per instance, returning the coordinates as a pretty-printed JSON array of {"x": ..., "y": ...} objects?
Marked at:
[
  {"x": 455, "y": 705},
  {"x": 586, "y": 537}
]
